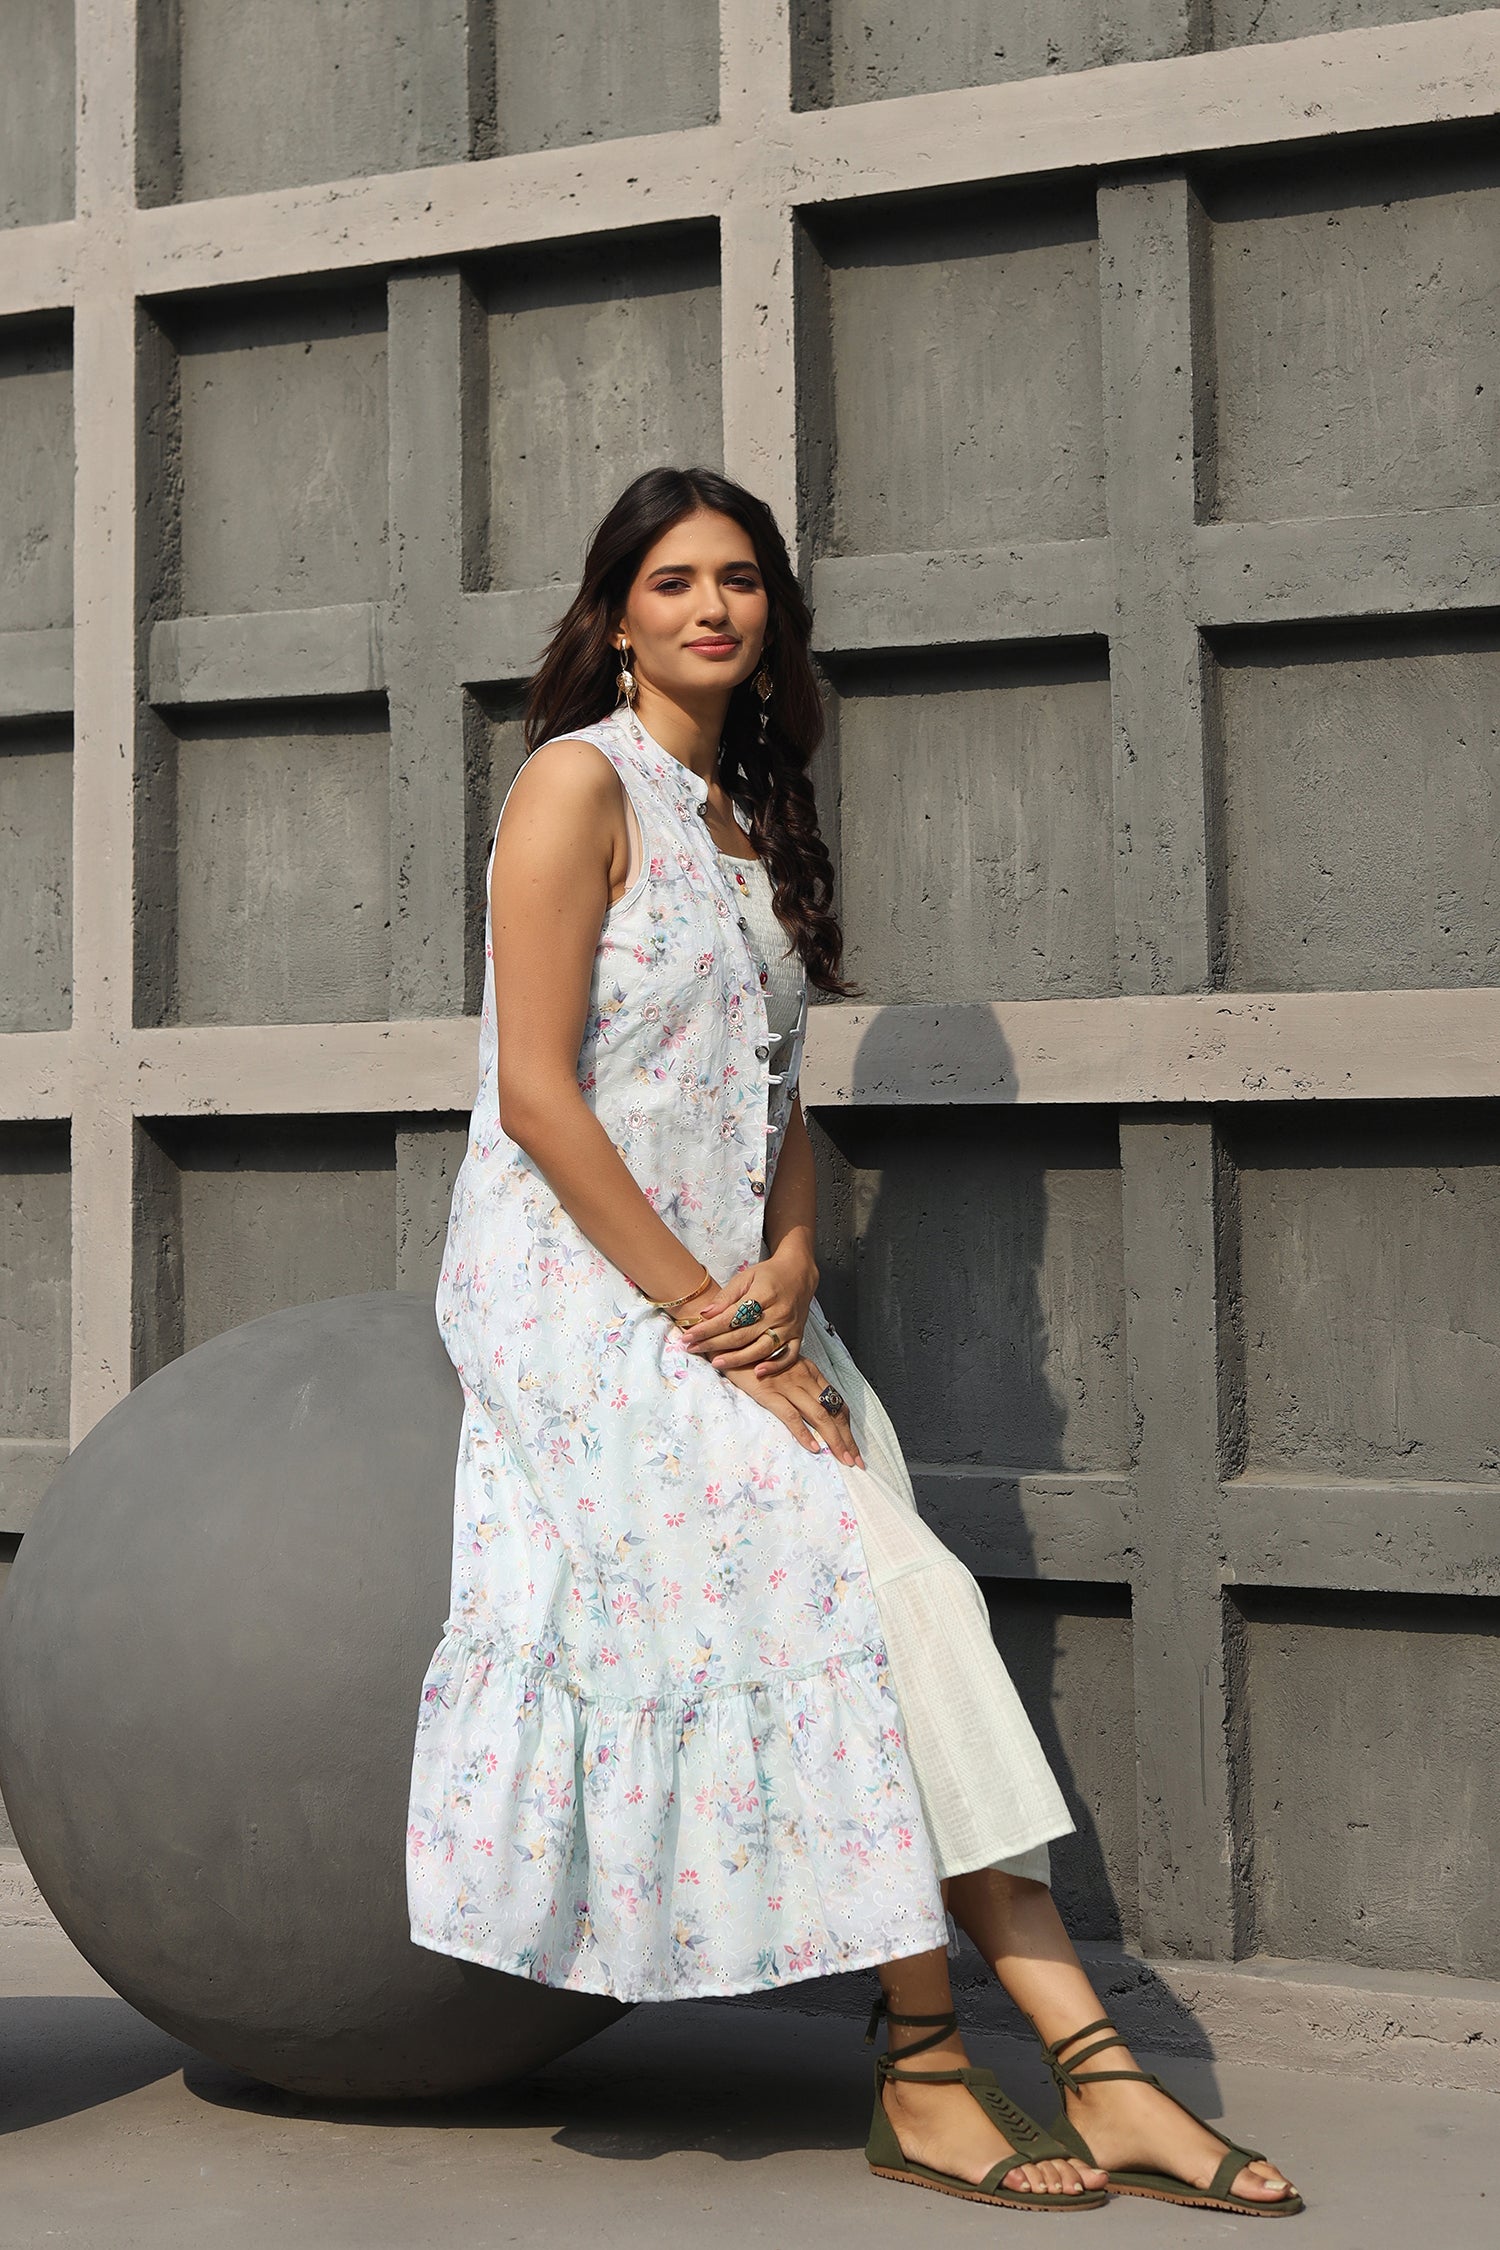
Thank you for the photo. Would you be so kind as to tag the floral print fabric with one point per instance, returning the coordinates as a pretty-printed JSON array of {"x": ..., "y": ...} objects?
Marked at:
[{"x": 658, "y": 1753}]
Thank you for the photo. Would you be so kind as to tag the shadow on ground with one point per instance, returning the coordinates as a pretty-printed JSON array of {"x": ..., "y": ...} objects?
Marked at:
[
  {"x": 739, "y": 2090},
  {"x": 64, "y": 2053}
]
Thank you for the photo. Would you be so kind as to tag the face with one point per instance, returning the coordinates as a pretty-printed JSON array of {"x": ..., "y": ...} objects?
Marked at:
[{"x": 696, "y": 614}]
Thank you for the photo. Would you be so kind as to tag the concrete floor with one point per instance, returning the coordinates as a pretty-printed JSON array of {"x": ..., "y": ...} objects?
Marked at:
[{"x": 736, "y": 2124}]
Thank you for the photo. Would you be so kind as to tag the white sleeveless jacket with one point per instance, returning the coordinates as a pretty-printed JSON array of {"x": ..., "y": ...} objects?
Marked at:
[{"x": 658, "y": 1753}]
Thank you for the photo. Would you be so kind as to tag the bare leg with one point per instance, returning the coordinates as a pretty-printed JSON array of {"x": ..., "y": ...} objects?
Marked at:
[
  {"x": 1017, "y": 1928},
  {"x": 941, "y": 2126}
]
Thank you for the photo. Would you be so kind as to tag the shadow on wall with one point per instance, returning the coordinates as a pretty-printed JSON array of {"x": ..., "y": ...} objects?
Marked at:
[{"x": 974, "y": 1264}]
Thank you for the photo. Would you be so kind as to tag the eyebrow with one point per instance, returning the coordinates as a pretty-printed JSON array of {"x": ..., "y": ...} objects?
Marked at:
[{"x": 685, "y": 570}]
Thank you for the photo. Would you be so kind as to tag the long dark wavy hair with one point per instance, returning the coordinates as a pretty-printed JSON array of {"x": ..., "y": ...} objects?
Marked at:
[{"x": 576, "y": 685}]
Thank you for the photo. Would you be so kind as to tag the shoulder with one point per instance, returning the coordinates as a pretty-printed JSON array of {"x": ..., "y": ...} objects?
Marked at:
[{"x": 569, "y": 777}]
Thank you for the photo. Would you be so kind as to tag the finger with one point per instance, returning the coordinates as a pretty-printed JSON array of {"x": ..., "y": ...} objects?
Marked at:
[
  {"x": 738, "y": 1354},
  {"x": 794, "y": 1423},
  {"x": 835, "y": 1432},
  {"x": 706, "y": 1332},
  {"x": 716, "y": 1324},
  {"x": 722, "y": 1300},
  {"x": 836, "y": 1429},
  {"x": 779, "y": 1363}
]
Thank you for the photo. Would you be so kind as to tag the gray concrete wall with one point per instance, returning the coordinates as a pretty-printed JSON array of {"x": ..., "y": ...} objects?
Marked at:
[{"x": 1127, "y": 379}]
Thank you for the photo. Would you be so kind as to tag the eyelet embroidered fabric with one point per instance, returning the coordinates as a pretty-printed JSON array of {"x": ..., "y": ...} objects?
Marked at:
[{"x": 658, "y": 1752}]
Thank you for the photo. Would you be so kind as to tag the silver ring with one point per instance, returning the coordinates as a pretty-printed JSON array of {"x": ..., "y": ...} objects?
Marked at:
[
  {"x": 830, "y": 1400},
  {"x": 778, "y": 1351}
]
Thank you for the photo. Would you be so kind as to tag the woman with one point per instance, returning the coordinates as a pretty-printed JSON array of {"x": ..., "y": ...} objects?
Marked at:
[{"x": 713, "y": 1710}]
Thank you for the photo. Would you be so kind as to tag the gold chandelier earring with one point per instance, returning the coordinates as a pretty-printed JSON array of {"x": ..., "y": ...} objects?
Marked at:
[
  {"x": 763, "y": 688},
  {"x": 625, "y": 681}
]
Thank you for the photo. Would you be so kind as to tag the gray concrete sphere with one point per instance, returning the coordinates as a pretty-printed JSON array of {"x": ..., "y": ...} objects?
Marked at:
[{"x": 211, "y": 1656}]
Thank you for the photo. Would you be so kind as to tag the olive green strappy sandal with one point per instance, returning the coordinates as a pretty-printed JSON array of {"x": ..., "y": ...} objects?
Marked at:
[
  {"x": 1165, "y": 2187},
  {"x": 885, "y": 2156}
]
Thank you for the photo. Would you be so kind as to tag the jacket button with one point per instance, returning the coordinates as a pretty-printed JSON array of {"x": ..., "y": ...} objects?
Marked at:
[
  {"x": 744, "y": 925},
  {"x": 761, "y": 1053},
  {"x": 757, "y": 1187}
]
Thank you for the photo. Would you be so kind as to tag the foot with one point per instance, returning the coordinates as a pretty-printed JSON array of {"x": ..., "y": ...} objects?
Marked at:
[
  {"x": 1136, "y": 2128},
  {"x": 945, "y": 2128}
]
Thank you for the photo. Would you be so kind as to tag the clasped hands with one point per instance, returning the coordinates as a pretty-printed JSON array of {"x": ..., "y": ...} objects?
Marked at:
[{"x": 783, "y": 1286}]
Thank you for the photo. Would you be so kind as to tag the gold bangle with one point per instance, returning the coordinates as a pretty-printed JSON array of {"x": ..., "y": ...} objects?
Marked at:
[{"x": 670, "y": 1304}]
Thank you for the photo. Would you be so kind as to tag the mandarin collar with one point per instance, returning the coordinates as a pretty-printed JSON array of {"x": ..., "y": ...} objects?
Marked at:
[{"x": 690, "y": 786}]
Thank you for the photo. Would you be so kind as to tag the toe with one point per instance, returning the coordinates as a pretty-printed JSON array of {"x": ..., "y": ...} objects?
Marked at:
[{"x": 1262, "y": 2183}]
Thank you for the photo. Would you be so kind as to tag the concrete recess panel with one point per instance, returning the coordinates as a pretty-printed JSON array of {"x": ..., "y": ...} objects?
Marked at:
[
  {"x": 600, "y": 365},
  {"x": 281, "y": 92},
  {"x": 1355, "y": 330},
  {"x": 603, "y": 69},
  {"x": 284, "y": 449},
  {"x": 429, "y": 1151},
  {"x": 1370, "y": 1270},
  {"x": 988, "y": 1296},
  {"x": 36, "y": 878},
  {"x": 494, "y": 748},
  {"x": 965, "y": 375},
  {"x": 1240, "y": 22},
  {"x": 856, "y": 51},
  {"x": 282, "y": 910},
  {"x": 1068, "y": 1649},
  {"x": 975, "y": 826},
  {"x": 36, "y": 113},
  {"x": 34, "y": 1281},
  {"x": 1360, "y": 773},
  {"x": 264, "y": 1213},
  {"x": 1372, "y": 1751},
  {"x": 36, "y": 476}
]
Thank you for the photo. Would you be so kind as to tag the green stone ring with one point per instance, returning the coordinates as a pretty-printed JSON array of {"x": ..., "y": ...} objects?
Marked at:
[{"x": 746, "y": 1314}]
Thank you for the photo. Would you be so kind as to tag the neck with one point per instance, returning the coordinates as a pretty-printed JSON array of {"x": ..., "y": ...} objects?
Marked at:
[{"x": 689, "y": 732}]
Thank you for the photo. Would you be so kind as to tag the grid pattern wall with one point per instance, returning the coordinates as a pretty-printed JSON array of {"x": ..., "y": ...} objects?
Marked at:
[{"x": 1128, "y": 381}]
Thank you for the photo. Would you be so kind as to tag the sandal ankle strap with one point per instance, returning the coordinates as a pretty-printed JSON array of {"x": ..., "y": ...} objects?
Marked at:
[
  {"x": 1067, "y": 2076},
  {"x": 945, "y": 2024}
]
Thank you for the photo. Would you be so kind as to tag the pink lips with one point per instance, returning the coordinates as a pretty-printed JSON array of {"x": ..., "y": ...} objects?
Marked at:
[{"x": 715, "y": 648}]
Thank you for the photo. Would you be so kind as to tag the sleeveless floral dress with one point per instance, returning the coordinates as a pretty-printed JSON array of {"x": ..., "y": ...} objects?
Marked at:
[{"x": 658, "y": 1754}]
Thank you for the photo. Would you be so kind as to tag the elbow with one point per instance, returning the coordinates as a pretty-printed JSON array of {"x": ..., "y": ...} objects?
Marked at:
[
  {"x": 528, "y": 1116},
  {"x": 517, "y": 1117}
]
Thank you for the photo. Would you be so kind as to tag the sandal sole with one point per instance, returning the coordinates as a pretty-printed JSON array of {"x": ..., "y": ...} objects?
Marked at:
[
  {"x": 1084, "y": 2202},
  {"x": 1286, "y": 2206}
]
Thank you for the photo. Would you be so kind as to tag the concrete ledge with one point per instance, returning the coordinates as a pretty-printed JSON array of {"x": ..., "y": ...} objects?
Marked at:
[
  {"x": 1032, "y": 1523},
  {"x": 1059, "y": 589},
  {"x": 1401, "y": 2027},
  {"x": 1397, "y": 1535},
  {"x": 501, "y": 636},
  {"x": 1386, "y": 2026},
  {"x": 269, "y": 655},
  {"x": 36, "y": 673},
  {"x": 1138, "y": 1048},
  {"x": 1370, "y": 79},
  {"x": 27, "y": 1467},
  {"x": 1129, "y": 1050},
  {"x": 1426, "y": 561},
  {"x": 37, "y": 265}
]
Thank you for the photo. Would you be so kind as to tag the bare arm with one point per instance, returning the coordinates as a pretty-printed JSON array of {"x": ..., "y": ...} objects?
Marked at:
[
  {"x": 559, "y": 839},
  {"x": 792, "y": 1205}
]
